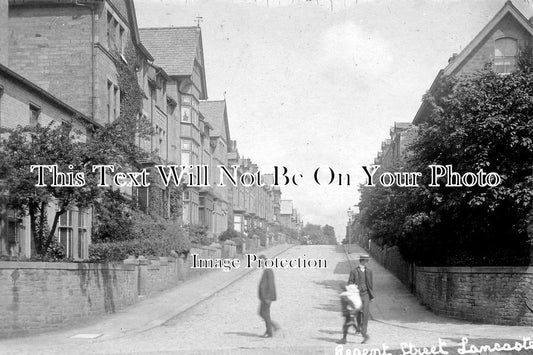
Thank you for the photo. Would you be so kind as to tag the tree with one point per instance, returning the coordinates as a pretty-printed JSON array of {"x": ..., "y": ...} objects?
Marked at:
[
  {"x": 55, "y": 144},
  {"x": 315, "y": 234},
  {"x": 58, "y": 144},
  {"x": 329, "y": 231},
  {"x": 481, "y": 121}
]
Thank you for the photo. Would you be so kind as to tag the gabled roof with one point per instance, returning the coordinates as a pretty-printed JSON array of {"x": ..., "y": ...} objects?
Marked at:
[
  {"x": 458, "y": 61},
  {"x": 508, "y": 8},
  {"x": 215, "y": 112},
  {"x": 132, "y": 19},
  {"x": 174, "y": 48},
  {"x": 5, "y": 71}
]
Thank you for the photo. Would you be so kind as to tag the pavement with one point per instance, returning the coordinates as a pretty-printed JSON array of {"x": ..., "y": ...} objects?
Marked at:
[
  {"x": 147, "y": 314},
  {"x": 217, "y": 314}
]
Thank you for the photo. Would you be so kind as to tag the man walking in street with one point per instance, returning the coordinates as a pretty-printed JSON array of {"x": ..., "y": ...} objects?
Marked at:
[
  {"x": 362, "y": 277},
  {"x": 267, "y": 294}
]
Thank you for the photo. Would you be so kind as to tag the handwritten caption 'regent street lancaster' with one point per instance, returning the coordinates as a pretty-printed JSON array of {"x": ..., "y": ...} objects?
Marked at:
[{"x": 201, "y": 176}]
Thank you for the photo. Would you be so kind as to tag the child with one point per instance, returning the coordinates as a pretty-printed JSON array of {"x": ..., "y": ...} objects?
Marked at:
[{"x": 351, "y": 304}]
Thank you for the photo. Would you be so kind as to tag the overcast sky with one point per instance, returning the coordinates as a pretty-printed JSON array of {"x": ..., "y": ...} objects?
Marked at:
[{"x": 309, "y": 87}]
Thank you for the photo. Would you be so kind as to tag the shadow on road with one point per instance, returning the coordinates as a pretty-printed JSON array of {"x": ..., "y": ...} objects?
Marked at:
[
  {"x": 343, "y": 267},
  {"x": 331, "y": 284},
  {"x": 330, "y": 307},
  {"x": 330, "y": 340},
  {"x": 244, "y": 334}
]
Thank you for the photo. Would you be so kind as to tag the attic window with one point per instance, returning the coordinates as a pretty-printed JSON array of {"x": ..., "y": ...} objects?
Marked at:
[{"x": 505, "y": 52}]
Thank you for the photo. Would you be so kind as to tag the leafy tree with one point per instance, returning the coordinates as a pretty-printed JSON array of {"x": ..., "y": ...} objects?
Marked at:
[
  {"x": 329, "y": 231},
  {"x": 54, "y": 144},
  {"x": 314, "y": 234},
  {"x": 198, "y": 234},
  {"x": 230, "y": 234},
  {"x": 482, "y": 121}
]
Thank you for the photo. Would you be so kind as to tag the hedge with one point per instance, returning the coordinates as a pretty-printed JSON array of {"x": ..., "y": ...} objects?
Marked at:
[{"x": 160, "y": 240}]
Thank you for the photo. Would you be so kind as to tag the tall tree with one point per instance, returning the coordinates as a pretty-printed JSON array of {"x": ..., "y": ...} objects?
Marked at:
[{"x": 481, "y": 121}]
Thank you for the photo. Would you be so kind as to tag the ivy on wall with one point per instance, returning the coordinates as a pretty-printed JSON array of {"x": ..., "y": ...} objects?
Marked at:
[{"x": 131, "y": 125}]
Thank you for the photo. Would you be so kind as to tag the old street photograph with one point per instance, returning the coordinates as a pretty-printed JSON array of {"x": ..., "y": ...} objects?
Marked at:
[{"x": 339, "y": 177}]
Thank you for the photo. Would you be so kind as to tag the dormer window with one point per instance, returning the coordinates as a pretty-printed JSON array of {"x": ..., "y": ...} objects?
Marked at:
[{"x": 505, "y": 52}]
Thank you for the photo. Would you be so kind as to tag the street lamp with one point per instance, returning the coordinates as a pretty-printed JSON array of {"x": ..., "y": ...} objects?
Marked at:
[{"x": 349, "y": 228}]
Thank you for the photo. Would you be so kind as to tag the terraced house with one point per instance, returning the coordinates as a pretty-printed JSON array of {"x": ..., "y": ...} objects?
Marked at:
[
  {"x": 22, "y": 102},
  {"x": 498, "y": 44},
  {"x": 64, "y": 59},
  {"x": 178, "y": 50},
  {"x": 71, "y": 50}
]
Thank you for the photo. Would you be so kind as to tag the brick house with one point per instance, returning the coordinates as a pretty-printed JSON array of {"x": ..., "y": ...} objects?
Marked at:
[
  {"x": 394, "y": 149},
  {"x": 178, "y": 50},
  {"x": 286, "y": 217},
  {"x": 236, "y": 194},
  {"x": 216, "y": 114},
  {"x": 498, "y": 43},
  {"x": 24, "y": 103},
  {"x": 71, "y": 50}
]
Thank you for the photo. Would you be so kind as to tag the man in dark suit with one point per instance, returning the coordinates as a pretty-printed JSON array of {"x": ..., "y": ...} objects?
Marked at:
[
  {"x": 362, "y": 277},
  {"x": 267, "y": 294}
]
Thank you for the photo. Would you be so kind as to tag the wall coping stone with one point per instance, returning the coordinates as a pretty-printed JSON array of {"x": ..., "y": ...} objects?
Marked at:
[
  {"x": 143, "y": 261},
  {"x": 476, "y": 269},
  {"x": 64, "y": 266}
]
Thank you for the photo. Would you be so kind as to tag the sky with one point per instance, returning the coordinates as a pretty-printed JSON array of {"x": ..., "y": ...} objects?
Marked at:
[{"x": 308, "y": 86}]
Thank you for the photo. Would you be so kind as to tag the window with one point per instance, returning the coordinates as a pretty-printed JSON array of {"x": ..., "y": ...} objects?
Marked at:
[
  {"x": 185, "y": 114},
  {"x": 113, "y": 101},
  {"x": 1, "y": 93},
  {"x": 142, "y": 198},
  {"x": 82, "y": 233},
  {"x": 65, "y": 232},
  {"x": 186, "y": 213},
  {"x": 109, "y": 100},
  {"x": 185, "y": 158},
  {"x": 186, "y": 100},
  {"x": 506, "y": 50},
  {"x": 35, "y": 112},
  {"x": 121, "y": 40},
  {"x": 109, "y": 30},
  {"x": 115, "y": 34},
  {"x": 116, "y": 99},
  {"x": 161, "y": 141},
  {"x": 153, "y": 98},
  {"x": 186, "y": 195},
  {"x": 164, "y": 203}
]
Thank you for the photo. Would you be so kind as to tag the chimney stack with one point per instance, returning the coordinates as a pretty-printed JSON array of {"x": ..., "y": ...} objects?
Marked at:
[{"x": 451, "y": 59}]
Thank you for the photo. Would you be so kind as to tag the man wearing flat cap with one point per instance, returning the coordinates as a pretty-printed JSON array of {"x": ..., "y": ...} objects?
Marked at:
[{"x": 362, "y": 277}]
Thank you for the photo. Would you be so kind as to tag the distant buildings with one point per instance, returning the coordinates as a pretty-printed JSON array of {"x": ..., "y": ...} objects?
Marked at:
[{"x": 289, "y": 216}]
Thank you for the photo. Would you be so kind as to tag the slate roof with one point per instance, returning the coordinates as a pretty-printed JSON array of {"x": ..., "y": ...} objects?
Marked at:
[
  {"x": 215, "y": 113},
  {"x": 174, "y": 48}
]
